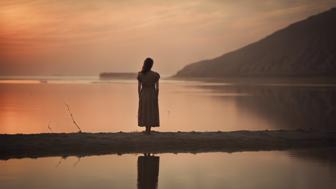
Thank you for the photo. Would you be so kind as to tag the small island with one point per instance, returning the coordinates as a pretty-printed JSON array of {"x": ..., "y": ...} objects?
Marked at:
[{"x": 117, "y": 75}]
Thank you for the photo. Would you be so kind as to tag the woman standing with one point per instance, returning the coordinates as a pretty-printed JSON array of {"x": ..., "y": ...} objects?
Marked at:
[{"x": 148, "y": 90}]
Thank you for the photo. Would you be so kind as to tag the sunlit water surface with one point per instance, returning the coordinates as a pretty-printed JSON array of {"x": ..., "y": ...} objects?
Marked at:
[
  {"x": 38, "y": 106},
  {"x": 34, "y": 106}
]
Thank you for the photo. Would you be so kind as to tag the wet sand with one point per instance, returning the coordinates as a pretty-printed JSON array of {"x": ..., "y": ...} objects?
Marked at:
[{"x": 84, "y": 144}]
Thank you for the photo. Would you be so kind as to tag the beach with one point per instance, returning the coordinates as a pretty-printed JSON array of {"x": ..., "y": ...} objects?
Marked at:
[{"x": 85, "y": 144}]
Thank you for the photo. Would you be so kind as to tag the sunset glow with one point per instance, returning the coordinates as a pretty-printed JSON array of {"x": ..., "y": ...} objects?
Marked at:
[
  {"x": 88, "y": 37},
  {"x": 161, "y": 94}
]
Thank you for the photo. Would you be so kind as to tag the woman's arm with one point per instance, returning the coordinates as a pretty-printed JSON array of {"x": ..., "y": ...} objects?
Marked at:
[
  {"x": 139, "y": 88},
  {"x": 157, "y": 88}
]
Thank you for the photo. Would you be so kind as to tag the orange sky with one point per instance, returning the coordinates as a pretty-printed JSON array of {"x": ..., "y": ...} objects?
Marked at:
[{"x": 43, "y": 37}]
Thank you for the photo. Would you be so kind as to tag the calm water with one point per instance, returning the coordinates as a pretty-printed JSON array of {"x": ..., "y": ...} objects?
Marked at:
[
  {"x": 257, "y": 170},
  {"x": 28, "y": 106}
]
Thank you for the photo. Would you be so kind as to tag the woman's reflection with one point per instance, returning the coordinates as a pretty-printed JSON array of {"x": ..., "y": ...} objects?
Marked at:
[{"x": 148, "y": 171}]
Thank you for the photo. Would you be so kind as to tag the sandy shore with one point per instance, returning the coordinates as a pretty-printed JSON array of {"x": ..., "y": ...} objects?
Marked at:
[{"x": 83, "y": 144}]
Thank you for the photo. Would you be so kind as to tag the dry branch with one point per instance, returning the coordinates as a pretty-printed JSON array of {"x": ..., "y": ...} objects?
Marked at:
[{"x": 73, "y": 120}]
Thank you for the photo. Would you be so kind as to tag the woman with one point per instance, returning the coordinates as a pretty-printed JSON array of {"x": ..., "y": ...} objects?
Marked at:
[{"x": 148, "y": 90}]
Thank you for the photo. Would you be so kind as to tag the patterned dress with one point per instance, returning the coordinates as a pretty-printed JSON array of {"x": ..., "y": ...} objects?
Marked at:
[{"x": 148, "y": 112}]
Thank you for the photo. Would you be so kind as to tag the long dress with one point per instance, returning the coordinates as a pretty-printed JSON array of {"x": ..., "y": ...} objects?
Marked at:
[
  {"x": 148, "y": 112},
  {"x": 148, "y": 172}
]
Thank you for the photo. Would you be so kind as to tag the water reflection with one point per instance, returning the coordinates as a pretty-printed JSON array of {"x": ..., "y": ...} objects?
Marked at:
[
  {"x": 148, "y": 171},
  {"x": 324, "y": 156},
  {"x": 304, "y": 169},
  {"x": 286, "y": 107}
]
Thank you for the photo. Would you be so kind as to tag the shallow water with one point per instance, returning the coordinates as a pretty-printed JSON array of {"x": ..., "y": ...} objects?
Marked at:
[
  {"x": 305, "y": 169},
  {"x": 28, "y": 106}
]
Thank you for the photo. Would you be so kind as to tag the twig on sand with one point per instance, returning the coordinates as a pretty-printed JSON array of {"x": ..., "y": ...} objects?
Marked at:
[{"x": 73, "y": 120}]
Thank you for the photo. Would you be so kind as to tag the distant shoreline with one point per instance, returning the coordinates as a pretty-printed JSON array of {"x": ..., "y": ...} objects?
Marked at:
[{"x": 84, "y": 144}]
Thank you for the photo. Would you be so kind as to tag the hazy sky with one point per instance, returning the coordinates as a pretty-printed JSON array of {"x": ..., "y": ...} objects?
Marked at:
[{"x": 90, "y": 36}]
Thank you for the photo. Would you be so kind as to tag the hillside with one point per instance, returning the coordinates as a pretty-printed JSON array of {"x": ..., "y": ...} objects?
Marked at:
[{"x": 305, "y": 48}]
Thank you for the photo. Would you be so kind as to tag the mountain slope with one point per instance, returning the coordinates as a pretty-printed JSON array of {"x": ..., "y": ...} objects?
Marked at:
[{"x": 305, "y": 48}]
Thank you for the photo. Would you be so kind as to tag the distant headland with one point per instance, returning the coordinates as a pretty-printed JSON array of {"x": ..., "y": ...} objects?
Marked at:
[{"x": 304, "y": 49}]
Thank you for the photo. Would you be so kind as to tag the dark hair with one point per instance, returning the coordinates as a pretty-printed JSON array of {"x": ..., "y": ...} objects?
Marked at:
[{"x": 147, "y": 66}]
